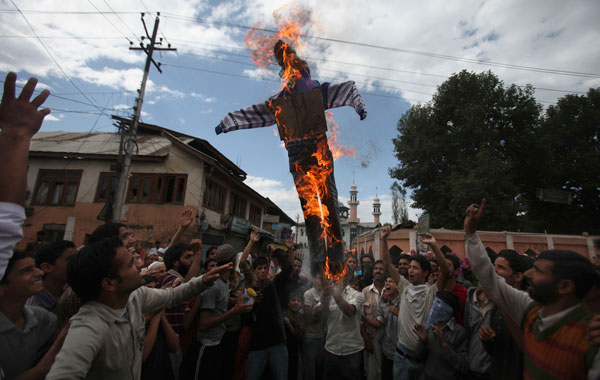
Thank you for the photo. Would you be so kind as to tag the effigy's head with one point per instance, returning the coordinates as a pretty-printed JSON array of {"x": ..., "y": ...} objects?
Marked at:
[{"x": 280, "y": 49}]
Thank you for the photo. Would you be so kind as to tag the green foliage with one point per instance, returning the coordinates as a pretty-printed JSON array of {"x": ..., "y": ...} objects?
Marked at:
[
  {"x": 571, "y": 135},
  {"x": 475, "y": 139}
]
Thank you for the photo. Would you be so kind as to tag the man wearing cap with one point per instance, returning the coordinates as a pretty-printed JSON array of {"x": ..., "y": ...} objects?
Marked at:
[{"x": 213, "y": 312}]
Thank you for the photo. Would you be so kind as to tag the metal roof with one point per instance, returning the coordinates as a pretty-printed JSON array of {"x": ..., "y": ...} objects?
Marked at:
[{"x": 97, "y": 143}]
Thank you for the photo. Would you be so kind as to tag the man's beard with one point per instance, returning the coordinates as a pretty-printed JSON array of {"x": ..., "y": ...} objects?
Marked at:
[
  {"x": 183, "y": 269},
  {"x": 544, "y": 294}
]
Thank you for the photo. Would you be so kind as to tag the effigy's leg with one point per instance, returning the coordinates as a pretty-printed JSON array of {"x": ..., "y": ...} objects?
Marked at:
[{"x": 311, "y": 165}]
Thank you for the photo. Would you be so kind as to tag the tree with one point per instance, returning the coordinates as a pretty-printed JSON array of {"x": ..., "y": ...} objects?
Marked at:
[
  {"x": 399, "y": 209},
  {"x": 570, "y": 133},
  {"x": 475, "y": 139}
]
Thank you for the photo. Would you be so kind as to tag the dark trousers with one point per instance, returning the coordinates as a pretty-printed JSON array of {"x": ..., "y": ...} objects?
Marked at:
[
  {"x": 206, "y": 362},
  {"x": 302, "y": 156},
  {"x": 346, "y": 367},
  {"x": 387, "y": 368}
]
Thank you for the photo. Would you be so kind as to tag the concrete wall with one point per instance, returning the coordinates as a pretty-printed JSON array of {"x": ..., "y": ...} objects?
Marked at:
[{"x": 520, "y": 242}]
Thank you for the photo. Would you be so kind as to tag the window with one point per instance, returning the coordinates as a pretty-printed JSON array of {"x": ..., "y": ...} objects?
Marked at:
[
  {"x": 238, "y": 206},
  {"x": 255, "y": 214},
  {"x": 107, "y": 183},
  {"x": 54, "y": 232},
  {"x": 56, "y": 187},
  {"x": 214, "y": 196},
  {"x": 156, "y": 188}
]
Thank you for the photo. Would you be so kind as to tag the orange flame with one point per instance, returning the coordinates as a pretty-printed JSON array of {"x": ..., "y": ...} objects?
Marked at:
[
  {"x": 335, "y": 274},
  {"x": 312, "y": 184},
  {"x": 337, "y": 149},
  {"x": 290, "y": 20},
  {"x": 312, "y": 187}
]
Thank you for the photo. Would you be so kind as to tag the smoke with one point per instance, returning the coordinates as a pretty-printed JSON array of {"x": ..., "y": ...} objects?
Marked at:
[{"x": 370, "y": 154}]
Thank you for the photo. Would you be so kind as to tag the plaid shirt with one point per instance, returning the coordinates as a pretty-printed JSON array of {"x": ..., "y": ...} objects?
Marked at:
[{"x": 259, "y": 115}]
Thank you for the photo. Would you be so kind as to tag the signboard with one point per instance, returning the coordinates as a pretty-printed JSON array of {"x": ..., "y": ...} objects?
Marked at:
[
  {"x": 240, "y": 225},
  {"x": 423, "y": 224},
  {"x": 422, "y": 228}
]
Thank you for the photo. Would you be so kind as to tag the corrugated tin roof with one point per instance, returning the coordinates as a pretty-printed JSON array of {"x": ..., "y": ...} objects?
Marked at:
[{"x": 96, "y": 143}]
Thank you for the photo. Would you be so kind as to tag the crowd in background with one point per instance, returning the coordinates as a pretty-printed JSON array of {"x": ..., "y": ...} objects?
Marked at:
[{"x": 114, "y": 309}]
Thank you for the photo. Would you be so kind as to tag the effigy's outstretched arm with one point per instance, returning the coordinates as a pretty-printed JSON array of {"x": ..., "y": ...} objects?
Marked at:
[
  {"x": 343, "y": 94},
  {"x": 260, "y": 115}
]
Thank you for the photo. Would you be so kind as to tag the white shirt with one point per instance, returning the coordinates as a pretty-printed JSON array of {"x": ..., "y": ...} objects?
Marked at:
[
  {"x": 343, "y": 331},
  {"x": 12, "y": 217},
  {"x": 415, "y": 303},
  {"x": 104, "y": 343}
]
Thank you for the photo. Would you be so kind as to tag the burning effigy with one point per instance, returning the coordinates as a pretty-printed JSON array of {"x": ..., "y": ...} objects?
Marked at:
[{"x": 298, "y": 109}]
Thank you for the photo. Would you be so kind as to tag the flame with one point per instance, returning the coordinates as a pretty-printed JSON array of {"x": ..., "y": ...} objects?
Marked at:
[
  {"x": 335, "y": 274},
  {"x": 290, "y": 21},
  {"x": 337, "y": 149},
  {"x": 312, "y": 187}
]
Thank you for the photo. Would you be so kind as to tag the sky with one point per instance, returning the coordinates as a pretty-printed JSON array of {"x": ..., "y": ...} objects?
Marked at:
[{"x": 396, "y": 52}]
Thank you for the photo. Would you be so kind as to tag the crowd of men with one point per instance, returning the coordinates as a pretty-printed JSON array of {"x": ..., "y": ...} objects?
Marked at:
[{"x": 113, "y": 310}]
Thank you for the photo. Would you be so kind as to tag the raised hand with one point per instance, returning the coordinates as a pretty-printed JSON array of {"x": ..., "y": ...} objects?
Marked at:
[
  {"x": 196, "y": 245},
  {"x": 474, "y": 213},
  {"x": 254, "y": 236},
  {"x": 19, "y": 115},
  {"x": 428, "y": 239},
  {"x": 209, "y": 277},
  {"x": 186, "y": 218},
  {"x": 385, "y": 232},
  {"x": 289, "y": 242}
]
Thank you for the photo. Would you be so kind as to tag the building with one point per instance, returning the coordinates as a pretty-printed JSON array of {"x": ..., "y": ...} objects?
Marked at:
[
  {"x": 494, "y": 241},
  {"x": 351, "y": 225},
  {"x": 70, "y": 180}
]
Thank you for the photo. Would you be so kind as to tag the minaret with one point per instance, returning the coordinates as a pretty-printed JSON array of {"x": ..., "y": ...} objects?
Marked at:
[
  {"x": 376, "y": 210},
  {"x": 353, "y": 203}
]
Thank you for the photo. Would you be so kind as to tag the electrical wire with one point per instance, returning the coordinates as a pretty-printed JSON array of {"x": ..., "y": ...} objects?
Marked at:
[
  {"x": 398, "y": 50},
  {"x": 55, "y": 61},
  {"x": 355, "y": 43}
]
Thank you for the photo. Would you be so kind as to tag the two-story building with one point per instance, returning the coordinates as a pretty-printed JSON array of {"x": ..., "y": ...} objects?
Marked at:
[{"x": 70, "y": 181}]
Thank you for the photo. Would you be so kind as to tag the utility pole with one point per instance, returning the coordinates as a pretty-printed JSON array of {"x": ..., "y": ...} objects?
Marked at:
[{"x": 128, "y": 138}]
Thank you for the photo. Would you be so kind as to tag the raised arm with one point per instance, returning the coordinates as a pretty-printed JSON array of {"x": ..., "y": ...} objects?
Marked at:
[
  {"x": 186, "y": 220},
  {"x": 19, "y": 121},
  {"x": 514, "y": 302},
  {"x": 154, "y": 299},
  {"x": 254, "y": 238},
  {"x": 444, "y": 268},
  {"x": 196, "y": 266},
  {"x": 385, "y": 254}
]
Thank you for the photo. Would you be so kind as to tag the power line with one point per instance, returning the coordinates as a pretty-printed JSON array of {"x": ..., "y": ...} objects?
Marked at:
[
  {"x": 119, "y": 17},
  {"x": 62, "y": 37},
  {"x": 269, "y": 80},
  {"x": 362, "y": 44},
  {"x": 110, "y": 22},
  {"x": 352, "y": 64},
  {"x": 273, "y": 80},
  {"x": 55, "y": 61},
  {"x": 40, "y": 12},
  {"x": 399, "y": 50}
]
